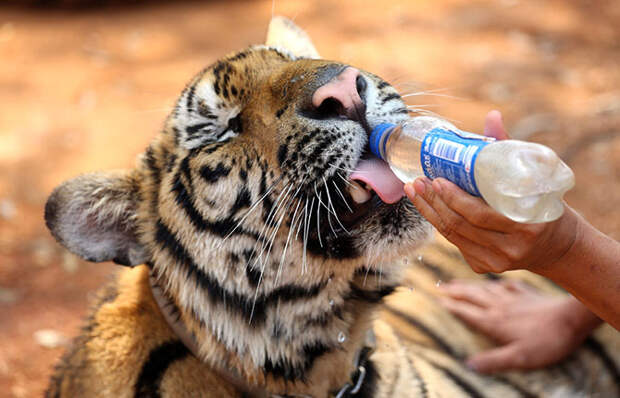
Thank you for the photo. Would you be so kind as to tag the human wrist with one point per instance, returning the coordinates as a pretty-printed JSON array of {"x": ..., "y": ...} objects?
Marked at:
[
  {"x": 589, "y": 270},
  {"x": 560, "y": 241}
]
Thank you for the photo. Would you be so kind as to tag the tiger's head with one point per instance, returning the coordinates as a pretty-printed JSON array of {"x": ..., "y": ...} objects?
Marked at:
[{"x": 259, "y": 208}]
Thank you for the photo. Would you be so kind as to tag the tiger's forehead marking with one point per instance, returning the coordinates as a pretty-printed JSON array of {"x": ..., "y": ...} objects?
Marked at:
[{"x": 208, "y": 107}]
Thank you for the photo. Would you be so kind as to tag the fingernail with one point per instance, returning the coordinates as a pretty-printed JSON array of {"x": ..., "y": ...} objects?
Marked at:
[
  {"x": 437, "y": 186},
  {"x": 419, "y": 186}
]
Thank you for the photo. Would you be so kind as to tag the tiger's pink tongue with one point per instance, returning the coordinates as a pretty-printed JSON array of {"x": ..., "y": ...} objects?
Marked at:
[{"x": 377, "y": 174}]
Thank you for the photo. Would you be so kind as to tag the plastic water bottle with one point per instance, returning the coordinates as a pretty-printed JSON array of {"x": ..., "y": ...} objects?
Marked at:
[{"x": 522, "y": 180}]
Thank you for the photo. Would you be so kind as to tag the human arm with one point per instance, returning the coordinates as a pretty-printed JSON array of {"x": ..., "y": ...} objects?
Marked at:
[{"x": 569, "y": 250}]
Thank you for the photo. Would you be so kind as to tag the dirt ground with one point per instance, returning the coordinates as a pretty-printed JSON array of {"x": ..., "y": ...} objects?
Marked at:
[{"x": 86, "y": 90}]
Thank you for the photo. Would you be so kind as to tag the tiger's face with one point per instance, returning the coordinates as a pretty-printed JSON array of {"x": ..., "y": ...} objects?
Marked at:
[
  {"x": 264, "y": 148},
  {"x": 259, "y": 207}
]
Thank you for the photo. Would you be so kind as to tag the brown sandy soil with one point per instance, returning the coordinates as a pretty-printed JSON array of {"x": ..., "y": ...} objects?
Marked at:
[{"x": 83, "y": 91}]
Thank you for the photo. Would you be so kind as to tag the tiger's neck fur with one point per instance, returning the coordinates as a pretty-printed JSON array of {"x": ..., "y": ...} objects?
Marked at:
[
  {"x": 277, "y": 321},
  {"x": 334, "y": 369}
]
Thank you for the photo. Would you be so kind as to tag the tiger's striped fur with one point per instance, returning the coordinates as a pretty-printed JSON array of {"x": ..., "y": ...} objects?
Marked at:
[{"x": 240, "y": 209}]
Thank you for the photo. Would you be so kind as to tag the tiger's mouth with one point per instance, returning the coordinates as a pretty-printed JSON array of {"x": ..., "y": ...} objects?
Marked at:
[
  {"x": 372, "y": 184},
  {"x": 363, "y": 204},
  {"x": 360, "y": 192},
  {"x": 373, "y": 175}
]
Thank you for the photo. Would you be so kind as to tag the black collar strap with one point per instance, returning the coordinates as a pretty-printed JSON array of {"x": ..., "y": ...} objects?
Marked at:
[
  {"x": 352, "y": 387},
  {"x": 349, "y": 389}
]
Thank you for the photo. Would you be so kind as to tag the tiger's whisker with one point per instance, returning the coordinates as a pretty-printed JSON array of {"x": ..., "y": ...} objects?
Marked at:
[
  {"x": 320, "y": 201},
  {"x": 318, "y": 218},
  {"x": 340, "y": 168},
  {"x": 345, "y": 180},
  {"x": 329, "y": 218},
  {"x": 425, "y": 112},
  {"x": 276, "y": 229},
  {"x": 329, "y": 202},
  {"x": 342, "y": 196},
  {"x": 271, "y": 241},
  {"x": 268, "y": 220},
  {"x": 431, "y": 93},
  {"x": 250, "y": 210},
  {"x": 419, "y": 106},
  {"x": 306, "y": 232},
  {"x": 291, "y": 229},
  {"x": 299, "y": 224},
  {"x": 305, "y": 236},
  {"x": 288, "y": 239},
  {"x": 274, "y": 210}
]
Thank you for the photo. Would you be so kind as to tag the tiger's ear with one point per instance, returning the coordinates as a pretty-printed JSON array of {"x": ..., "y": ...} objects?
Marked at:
[
  {"x": 284, "y": 33},
  {"x": 94, "y": 216}
]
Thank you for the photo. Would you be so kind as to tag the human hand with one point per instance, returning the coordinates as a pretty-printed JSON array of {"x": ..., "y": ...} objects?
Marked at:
[
  {"x": 533, "y": 330},
  {"x": 489, "y": 241}
]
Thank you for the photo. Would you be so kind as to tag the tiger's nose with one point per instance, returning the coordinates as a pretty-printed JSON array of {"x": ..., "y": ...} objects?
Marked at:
[{"x": 342, "y": 95}]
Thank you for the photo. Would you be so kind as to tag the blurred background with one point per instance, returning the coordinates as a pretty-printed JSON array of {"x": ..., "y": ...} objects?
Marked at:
[{"x": 86, "y": 88}]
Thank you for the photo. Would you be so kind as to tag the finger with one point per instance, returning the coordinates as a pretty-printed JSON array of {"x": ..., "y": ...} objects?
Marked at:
[
  {"x": 494, "y": 126},
  {"x": 409, "y": 191},
  {"x": 451, "y": 221},
  {"x": 477, "y": 266},
  {"x": 421, "y": 204},
  {"x": 482, "y": 259},
  {"x": 505, "y": 296},
  {"x": 507, "y": 357},
  {"x": 516, "y": 286},
  {"x": 472, "y": 208},
  {"x": 425, "y": 208},
  {"x": 490, "y": 287},
  {"x": 471, "y": 314},
  {"x": 475, "y": 293},
  {"x": 498, "y": 288}
]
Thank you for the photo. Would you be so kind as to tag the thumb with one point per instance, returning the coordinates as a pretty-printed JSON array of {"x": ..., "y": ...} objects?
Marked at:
[
  {"x": 507, "y": 357},
  {"x": 494, "y": 126}
]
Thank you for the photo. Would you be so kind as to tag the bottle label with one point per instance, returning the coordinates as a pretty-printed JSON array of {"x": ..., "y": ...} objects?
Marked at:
[{"x": 452, "y": 155}]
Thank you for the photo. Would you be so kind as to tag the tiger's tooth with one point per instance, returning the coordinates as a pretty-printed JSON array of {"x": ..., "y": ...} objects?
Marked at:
[{"x": 359, "y": 194}]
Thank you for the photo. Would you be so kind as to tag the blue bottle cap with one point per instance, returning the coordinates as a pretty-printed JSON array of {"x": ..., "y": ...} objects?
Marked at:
[{"x": 377, "y": 135}]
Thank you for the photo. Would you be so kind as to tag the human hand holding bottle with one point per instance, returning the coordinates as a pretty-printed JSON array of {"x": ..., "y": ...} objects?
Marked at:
[
  {"x": 568, "y": 250},
  {"x": 489, "y": 241}
]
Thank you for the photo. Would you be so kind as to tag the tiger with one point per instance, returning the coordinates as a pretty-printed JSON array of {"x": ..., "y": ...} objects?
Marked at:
[{"x": 261, "y": 262}]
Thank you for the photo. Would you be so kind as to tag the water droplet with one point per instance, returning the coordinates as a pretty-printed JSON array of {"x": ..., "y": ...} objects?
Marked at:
[
  {"x": 331, "y": 303},
  {"x": 49, "y": 338},
  {"x": 420, "y": 258},
  {"x": 342, "y": 337},
  {"x": 8, "y": 210},
  {"x": 439, "y": 281}
]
